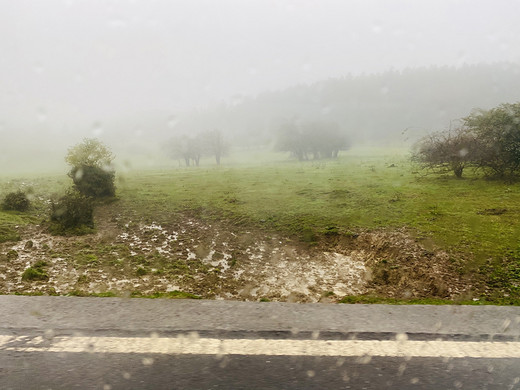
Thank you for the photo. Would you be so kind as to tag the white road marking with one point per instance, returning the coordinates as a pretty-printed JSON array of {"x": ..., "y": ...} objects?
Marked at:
[{"x": 211, "y": 346}]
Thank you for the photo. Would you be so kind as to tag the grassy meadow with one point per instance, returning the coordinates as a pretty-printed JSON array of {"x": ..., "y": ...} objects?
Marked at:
[
  {"x": 475, "y": 219},
  {"x": 474, "y": 216}
]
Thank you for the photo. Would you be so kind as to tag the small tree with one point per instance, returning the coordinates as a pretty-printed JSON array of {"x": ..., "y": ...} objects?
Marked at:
[
  {"x": 91, "y": 168},
  {"x": 215, "y": 144},
  {"x": 186, "y": 148},
  {"x": 448, "y": 151}
]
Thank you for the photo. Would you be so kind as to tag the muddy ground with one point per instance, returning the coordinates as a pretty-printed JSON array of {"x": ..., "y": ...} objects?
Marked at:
[{"x": 132, "y": 257}]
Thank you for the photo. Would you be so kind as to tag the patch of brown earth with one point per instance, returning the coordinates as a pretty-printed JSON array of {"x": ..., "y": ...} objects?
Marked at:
[{"x": 216, "y": 260}]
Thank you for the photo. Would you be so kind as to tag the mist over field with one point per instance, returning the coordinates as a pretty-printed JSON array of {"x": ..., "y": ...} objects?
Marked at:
[
  {"x": 296, "y": 151},
  {"x": 138, "y": 74}
]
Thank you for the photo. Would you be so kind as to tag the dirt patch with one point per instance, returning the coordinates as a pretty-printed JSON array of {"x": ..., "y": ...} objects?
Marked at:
[{"x": 216, "y": 260}]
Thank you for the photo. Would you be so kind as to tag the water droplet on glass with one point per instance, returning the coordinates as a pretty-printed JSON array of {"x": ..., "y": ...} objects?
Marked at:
[
  {"x": 311, "y": 373},
  {"x": 116, "y": 23},
  {"x": 172, "y": 121},
  {"x": 97, "y": 129},
  {"x": 42, "y": 115},
  {"x": 147, "y": 361},
  {"x": 401, "y": 337},
  {"x": 401, "y": 369},
  {"x": 38, "y": 68},
  {"x": 79, "y": 174}
]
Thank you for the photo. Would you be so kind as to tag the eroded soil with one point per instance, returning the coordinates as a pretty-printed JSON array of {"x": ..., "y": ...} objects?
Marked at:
[{"x": 131, "y": 257}]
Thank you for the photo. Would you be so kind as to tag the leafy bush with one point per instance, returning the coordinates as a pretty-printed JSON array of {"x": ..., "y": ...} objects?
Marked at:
[
  {"x": 498, "y": 133},
  {"x": 93, "y": 181},
  {"x": 91, "y": 168},
  {"x": 72, "y": 213},
  {"x": 16, "y": 201}
]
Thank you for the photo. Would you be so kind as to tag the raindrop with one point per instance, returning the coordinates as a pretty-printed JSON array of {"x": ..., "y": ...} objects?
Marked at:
[
  {"x": 294, "y": 331},
  {"x": 325, "y": 110},
  {"x": 401, "y": 337},
  {"x": 457, "y": 384},
  {"x": 307, "y": 67},
  {"x": 505, "y": 324},
  {"x": 463, "y": 152},
  {"x": 365, "y": 359},
  {"x": 340, "y": 362},
  {"x": 147, "y": 361},
  {"x": 193, "y": 336},
  {"x": 38, "y": 68},
  {"x": 42, "y": 115},
  {"x": 224, "y": 362},
  {"x": 117, "y": 23},
  {"x": 79, "y": 174},
  {"x": 315, "y": 334},
  {"x": 97, "y": 129},
  {"x": 414, "y": 381},
  {"x": 311, "y": 373},
  {"x": 49, "y": 334},
  {"x": 172, "y": 121},
  {"x": 154, "y": 335},
  {"x": 107, "y": 387},
  {"x": 237, "y": 100},
  {"x": 401, "y": 369},
  {"x": 126, "y": 375},
  {"x": 377, "y": 28}
]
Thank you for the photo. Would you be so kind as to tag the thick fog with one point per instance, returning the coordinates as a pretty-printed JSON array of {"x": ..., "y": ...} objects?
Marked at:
[{"x": 135, "y": 73}]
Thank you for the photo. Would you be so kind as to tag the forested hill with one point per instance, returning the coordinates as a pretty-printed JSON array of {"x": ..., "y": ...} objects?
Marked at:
[{"x": 391, "y": 107}]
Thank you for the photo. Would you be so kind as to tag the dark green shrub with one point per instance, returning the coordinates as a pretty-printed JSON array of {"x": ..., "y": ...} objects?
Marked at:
[
  {"x": 93, "y": 181},
  {"x": 16, "y": 201},
  {"x": 72, "y": 213},
  {"x": 36, "y": 272}
]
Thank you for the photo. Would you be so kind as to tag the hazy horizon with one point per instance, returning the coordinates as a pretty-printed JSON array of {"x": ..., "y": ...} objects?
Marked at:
[{"x": 72, "y": 69}]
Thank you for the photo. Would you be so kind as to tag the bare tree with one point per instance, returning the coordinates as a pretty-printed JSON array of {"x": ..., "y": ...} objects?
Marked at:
[
  {"x": 447, "y": 151},
  {"x": 215, "y": 144}
]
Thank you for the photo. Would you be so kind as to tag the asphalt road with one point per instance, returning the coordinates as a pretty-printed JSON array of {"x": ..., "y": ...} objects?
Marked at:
[{"x": 110, "y": 343}]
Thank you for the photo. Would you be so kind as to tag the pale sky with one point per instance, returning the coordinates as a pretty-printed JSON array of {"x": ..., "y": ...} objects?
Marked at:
[{"x": 73, "y": 61}]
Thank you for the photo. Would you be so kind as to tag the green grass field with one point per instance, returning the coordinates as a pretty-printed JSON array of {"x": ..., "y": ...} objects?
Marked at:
[
  {"x": 475, "y": 219},
  {"x": 473, "y": 216}
]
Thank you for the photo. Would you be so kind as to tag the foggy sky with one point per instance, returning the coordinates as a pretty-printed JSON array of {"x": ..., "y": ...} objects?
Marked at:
[{"x": 78, "y": 62}]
